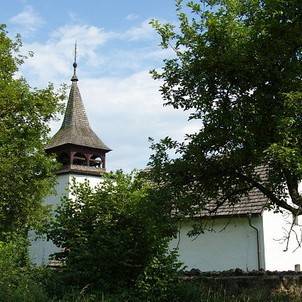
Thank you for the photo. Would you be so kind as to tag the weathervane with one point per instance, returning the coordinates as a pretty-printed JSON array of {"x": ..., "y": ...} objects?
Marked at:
[{"x": 74, "y": 77}]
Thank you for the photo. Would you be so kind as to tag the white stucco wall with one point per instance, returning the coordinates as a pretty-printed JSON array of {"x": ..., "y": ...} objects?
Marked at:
[
  {"x": 232, "y": 244},
  {"x": 276, "y": 226},
  {"x": 93, "y": 180},
  {"x": 41, "y": 249}
]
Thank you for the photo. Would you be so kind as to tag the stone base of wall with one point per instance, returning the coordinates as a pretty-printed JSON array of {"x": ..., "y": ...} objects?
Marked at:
[{"x": 236, "y": 281}]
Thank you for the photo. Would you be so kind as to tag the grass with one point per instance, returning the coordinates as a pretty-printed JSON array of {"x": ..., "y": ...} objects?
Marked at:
[{"x": 190, "y": 293}]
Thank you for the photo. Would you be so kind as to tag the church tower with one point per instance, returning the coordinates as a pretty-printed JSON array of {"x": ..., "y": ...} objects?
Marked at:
[
  {"x": 79, "y": 150},
  {"x": 81, "y": 154}
]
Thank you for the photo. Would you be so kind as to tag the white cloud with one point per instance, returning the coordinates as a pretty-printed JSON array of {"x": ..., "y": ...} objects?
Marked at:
[
  {"x": 132, "y": 17},
  {"x": 143, "y": 31},
  {"x": 53, "y": 59},
  {"x": 74, "y": 17},
  {"x": 192, "y": 127},
  {"x": 87, "y": 34},
  {"x": 28, "y": 20}
]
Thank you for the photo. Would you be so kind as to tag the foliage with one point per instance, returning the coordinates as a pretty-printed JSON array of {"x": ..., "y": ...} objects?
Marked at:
[
  {"x": 159, "y": 280},
  {"x": 17, "y": 283},
  {"x": 237, "y": 69},
  {"x": 25, "y": 170},
  {"x": 109, "y": 234},
  {"x": 185, "y": 291},
  {"x": 158, "y": 283}
]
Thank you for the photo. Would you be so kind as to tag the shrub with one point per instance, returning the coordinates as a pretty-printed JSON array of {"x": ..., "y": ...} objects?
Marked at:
[
  {"x": 111, "y": 233},
  {"x": 17, "y": 282},
  {"x": 160, "y": 278}
]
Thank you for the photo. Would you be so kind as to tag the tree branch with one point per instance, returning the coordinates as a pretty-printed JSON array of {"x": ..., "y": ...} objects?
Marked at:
[
  {"x": 292, "y": 184},
  {"x": 269, "y": 194}
]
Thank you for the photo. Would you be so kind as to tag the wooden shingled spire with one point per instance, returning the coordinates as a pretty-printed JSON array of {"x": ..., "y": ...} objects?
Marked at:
[{"x": 75, "y": 135}]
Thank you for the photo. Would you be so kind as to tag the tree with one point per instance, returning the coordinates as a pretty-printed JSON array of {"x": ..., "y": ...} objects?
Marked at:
[
  {"x": 237, "y": 69},
  {"x": 109, "y": 234},
  {"x": 18, "y": 282},
  {"x": 26, "y": 172}
]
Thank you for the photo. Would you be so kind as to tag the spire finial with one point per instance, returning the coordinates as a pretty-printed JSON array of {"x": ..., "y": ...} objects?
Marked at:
[{"x": 74, "y": 77}]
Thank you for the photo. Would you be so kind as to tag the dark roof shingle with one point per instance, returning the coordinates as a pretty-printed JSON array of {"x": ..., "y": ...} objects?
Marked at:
[
  {"x": 75, "y": 128},
  {"x": 252, "y": 203}
]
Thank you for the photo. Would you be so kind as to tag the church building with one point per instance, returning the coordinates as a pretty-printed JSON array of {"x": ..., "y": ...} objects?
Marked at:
[{"x": 245, "y": 235}]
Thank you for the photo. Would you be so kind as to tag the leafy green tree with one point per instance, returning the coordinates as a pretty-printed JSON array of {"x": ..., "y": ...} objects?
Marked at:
[
  {"x": 25, "y": 170},
  {"x": 111, "y": 233},
  {"x": 237, "y": 69},
  {"x": 18, "y": 283}
]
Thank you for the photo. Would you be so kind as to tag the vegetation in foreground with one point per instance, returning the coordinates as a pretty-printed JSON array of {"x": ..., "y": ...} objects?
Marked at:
[
  {"x": 44, "y": 285},
  {"x": 26, "y": 172},
  {"x": 92, "y": 232}
]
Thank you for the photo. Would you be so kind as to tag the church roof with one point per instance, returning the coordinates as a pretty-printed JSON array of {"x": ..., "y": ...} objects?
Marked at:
[
  {"x": 252, "y": 203},
  {"x": 75, "y": 128}
]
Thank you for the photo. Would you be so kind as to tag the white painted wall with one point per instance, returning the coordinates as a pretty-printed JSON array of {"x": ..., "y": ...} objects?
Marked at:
[
  {"x": 41, "y": 249},
  {"x": 276, "y": 226},
  {"x": 224, "y": 248},
  {"x": 93, "y": 180}
]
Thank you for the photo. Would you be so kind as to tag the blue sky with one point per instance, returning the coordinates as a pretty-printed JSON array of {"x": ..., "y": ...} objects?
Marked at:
[{"x": 116, "y": 47}]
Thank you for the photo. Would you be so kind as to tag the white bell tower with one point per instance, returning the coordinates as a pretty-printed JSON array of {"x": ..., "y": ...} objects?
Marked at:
[{"x": 81, "y": 153}]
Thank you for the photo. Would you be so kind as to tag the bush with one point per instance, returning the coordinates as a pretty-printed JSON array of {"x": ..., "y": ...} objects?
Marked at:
[
  {"x": 111, "y": 233},
  {"x": 160, "y": 278},
  {"x": 17, "y": 281}
]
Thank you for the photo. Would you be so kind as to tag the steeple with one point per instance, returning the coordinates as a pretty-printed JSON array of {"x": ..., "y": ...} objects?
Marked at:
[{"x": 75, "y": 138}]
